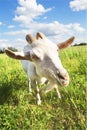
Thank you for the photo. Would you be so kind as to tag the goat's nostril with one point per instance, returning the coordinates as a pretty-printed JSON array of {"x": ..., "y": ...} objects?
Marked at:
[{"x": 61, "y": 76}]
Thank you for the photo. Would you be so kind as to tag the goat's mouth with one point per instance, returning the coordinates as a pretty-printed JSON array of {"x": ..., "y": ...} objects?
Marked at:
[{"x": 63, "y": 79}]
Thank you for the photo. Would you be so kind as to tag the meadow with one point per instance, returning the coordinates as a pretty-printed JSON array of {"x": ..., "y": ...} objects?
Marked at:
[{"x": 18, "y": 109}]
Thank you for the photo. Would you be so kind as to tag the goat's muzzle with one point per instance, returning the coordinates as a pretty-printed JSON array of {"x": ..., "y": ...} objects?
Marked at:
[{"x": 63, "y": 79}]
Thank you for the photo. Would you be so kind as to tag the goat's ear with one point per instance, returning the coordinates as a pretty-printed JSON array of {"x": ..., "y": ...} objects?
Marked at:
[
  {"x": 66, "y": 43},
  {"x": 40, "y": 35},
  {"x": 30, "y": 38},
  {"x": 15, "y": 55}
]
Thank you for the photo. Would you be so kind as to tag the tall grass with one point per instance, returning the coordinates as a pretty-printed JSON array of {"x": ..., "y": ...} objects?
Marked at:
[{"x": 18, "y": 109}]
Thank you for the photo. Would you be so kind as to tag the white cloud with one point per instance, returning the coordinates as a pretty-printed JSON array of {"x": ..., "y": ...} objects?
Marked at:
[
  {"x": 11, "y": 26},
  {"x": 28, "y": 10},
  {"x": 17, "y": 43},
  {"x": 19, "y": 40},
  {"x": 1, "y": 23},
  {"x": 55, "y": 31},
  {"x": 77, "y": 5},
  {"x": 26, "y": 13},
  {"x": 45, "y": 17},
  {"x": 50, "y": 29},
  {"x": 17, "y": 33},
  {"x": 77, "y": 27},
  {"x": 3, "y": 40},
  {"x": 4, "y": 43},
  {"x": 58, "y": 32}
]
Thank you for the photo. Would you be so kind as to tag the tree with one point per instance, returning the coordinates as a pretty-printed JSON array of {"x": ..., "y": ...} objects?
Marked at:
[{"x": 12, "y": 49}]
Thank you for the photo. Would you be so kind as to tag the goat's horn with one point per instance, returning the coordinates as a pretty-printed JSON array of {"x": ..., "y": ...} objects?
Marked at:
[
  {"x": 40, "y": 35},
  {"x": 66, "y": 43},
  {"x": 30, "y": 38}
]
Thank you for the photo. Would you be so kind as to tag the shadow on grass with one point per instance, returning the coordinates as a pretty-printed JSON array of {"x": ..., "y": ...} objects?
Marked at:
[
  {"x": 5, "y": 93},
  {"x": 8, "y": 92}
]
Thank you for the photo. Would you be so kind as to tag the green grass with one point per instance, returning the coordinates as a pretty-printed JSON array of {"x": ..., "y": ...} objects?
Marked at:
[{"x": 18, "y": 109}]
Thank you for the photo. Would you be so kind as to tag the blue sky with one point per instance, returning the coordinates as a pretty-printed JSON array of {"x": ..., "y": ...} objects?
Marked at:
[{"x": 57, "y": 19}]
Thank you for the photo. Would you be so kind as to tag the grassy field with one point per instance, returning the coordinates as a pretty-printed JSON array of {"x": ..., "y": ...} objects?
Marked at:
[{"x": 18, "y": 109}]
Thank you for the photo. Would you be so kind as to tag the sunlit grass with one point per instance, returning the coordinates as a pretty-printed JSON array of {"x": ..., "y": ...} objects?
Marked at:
[{"x": 18, "y": 109}]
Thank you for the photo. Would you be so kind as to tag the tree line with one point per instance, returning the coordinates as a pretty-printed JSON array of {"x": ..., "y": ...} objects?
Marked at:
[{"x": 2, "y": 50}]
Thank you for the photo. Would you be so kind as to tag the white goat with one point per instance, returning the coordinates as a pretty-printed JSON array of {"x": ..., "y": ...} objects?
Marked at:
[{"x": 42, "y": 61}]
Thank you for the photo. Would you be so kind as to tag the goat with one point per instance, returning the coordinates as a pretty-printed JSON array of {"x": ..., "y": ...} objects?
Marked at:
[{"x": 41, "y": 61}]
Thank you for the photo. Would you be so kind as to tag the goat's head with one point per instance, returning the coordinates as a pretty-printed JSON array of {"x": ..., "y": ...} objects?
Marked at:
[{"x": 44, "y": 55}]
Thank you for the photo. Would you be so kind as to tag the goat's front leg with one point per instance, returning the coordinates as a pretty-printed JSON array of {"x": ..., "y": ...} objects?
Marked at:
[
  {"x": 38, "y": 95},
  {"x": 29, "y": 85}
]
